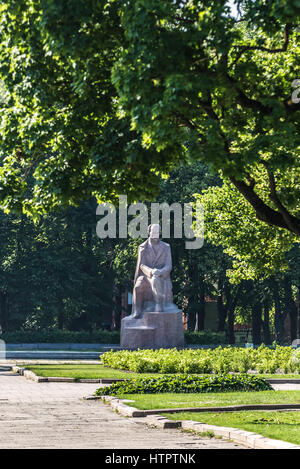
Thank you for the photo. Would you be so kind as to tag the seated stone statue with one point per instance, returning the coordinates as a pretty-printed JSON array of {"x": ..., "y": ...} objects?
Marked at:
[{"x": 152, "y": 283}]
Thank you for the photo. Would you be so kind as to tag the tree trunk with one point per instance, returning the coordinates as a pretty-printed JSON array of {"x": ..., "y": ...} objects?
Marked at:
[
  {"x": 221, "y": 308},
  {"x": 279, "y": 315},
  {"x": 266, "y": 323},
  {"x": 231, "y": 337},
  {"x": 117, "y": 308},
  {"x": 230, "y": 306},
  {"x": 4, "y": 311},
  {"x": 256, "y": 323},
  {"x": 297, "y": 303},
  {"x": 200, "y": 316},
  {"x": 191, "y": 321},
  {"x": 61, "y": 316},
  {"x": 290, "y": 308}
]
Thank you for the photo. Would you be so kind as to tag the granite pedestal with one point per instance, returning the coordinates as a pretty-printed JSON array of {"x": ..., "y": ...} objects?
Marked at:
[{"x": 154, "y": 330}]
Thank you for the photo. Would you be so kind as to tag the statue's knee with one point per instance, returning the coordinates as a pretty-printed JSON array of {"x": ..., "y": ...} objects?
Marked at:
[
  {"x": 139, "y": 282},
  {"x": 158, "y": 281}
]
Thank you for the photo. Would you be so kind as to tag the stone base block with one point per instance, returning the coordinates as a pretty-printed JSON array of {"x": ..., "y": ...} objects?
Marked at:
[{"x": 154, "y": 330}]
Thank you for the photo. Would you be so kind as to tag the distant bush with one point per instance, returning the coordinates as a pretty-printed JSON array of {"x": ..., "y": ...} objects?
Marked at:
[
  {"x": 205, "y": 338},
  {"x": 205, "y": 361},
  {"x": 186, "y": 384},
  {"x": 58, "y": 336}
]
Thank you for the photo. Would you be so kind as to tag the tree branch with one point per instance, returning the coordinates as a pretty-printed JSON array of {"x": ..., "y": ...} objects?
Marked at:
[
  {"x": 263, "y": 211},
  {"x": 185, "y": 121},
  {"x": 286, "y": 38},
  {"x": 288, "y": 218},
  {"x": 244, "y": 100}
]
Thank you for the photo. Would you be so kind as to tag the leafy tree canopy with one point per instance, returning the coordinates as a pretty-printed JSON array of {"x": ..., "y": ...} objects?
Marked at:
[
  {"x": 62, "y": 139},
  {"x": 220, "y": 88},
  {"x": 99, "y": 97}
]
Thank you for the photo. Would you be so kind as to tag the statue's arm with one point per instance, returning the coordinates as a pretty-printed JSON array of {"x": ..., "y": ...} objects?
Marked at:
[
  {"x": 164, "y": 272},
  {"x": 138, "y": 266},
  {"x": 146, "y": 270}
]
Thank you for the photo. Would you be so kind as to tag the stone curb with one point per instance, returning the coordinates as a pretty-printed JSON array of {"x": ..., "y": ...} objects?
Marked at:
[
  {"x": 249, "y": 439},
  {"x": 162, "y": 422},
  {"x": 123, "y": 409},
  {"x": 234, "y": 408},
  {"x": 28, "y": 374}
]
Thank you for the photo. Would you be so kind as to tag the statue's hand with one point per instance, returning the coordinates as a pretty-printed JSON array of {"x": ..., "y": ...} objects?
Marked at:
[{"x": 156, "y": 273}]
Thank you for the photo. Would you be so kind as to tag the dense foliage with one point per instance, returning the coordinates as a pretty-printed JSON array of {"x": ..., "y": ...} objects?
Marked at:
[
  {"x": 103, "y": 98},
  {"x": 186, "y": 384},
  {"x": 99, "y": 97},
  {"x": 218, "y": 360}
]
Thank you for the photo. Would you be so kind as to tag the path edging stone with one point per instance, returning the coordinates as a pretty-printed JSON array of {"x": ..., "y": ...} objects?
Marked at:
[
  {"x": 28, "y": 374},
  {"x": 234, "y": 408},
  {"x": 249, "y": 439}
]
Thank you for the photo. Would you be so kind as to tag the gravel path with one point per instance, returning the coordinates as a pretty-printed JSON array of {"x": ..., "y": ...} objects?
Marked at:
[{"x": 53, "y": 415}]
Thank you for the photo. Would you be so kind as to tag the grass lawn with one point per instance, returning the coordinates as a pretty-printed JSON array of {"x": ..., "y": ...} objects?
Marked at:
[
  {"x": 272, "y": 424},
  {"x": 173, "y": 400},
  {"x": 281, "y": 376},
  {"x": 80, "y": 371}
]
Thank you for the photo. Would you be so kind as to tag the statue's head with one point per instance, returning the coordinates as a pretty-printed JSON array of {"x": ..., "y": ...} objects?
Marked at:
[{"x": 154, "y": 231}]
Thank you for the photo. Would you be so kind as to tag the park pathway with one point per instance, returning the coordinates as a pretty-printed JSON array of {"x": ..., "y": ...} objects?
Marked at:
[{"x": 53, "y": 415}]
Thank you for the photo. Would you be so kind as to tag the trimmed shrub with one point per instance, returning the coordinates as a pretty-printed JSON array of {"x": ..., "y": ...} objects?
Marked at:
[
  {"x": 205, "y": 361},
  {"x": 186, "y": 384}
]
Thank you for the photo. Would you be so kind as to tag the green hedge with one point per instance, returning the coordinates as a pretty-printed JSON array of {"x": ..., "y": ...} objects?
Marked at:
[
  {"x": 205, "y": 338},
  {"x": 205, "y": 361},
  {"x": 186, "y": 384},
  {"x": 101, "y": 337},
  {"x": 58, "y": 336}
]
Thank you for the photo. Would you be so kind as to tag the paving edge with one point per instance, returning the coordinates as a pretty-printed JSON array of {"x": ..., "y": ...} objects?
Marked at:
[{"x": 249, "y": 439}]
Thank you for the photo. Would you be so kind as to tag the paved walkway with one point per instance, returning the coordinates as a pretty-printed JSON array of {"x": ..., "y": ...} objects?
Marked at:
[
  {"x": 286, "y": 386},
  {"x": 53, "y": 415}
]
